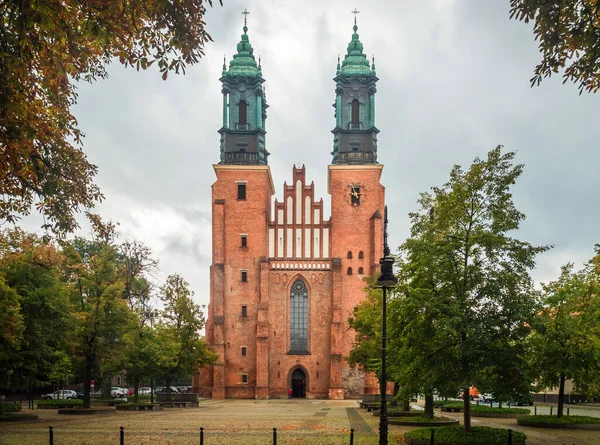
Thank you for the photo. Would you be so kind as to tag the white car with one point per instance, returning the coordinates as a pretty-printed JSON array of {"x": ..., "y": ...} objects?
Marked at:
[
  {"x": 144, "y": 391},
  {"x": 62, "y": 394},
  {"x": 116, "y": 392}
]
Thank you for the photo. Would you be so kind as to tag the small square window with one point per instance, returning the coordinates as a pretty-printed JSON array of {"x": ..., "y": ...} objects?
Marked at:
[
  {"x": 244, "y": 276},
  {"x": 244, "y": 378},
  {"x": 244, "y": 310},
  {"x": 244, "y": 351},
  {"x": 244, "y": 241},
  {"x": 241, "y": 191}
]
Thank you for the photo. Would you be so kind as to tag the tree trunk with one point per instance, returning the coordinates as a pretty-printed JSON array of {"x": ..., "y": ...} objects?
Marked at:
[
  {"x": 395, "y": 394},
  {"x": 87, "y": 378},
  {"x": 561, "y": 395},
  {"x": 467, "y": 410},
  {"x": 168, "y": 388},
  {"x": 136, "y": 396},
  {"x": 429, "y": 406},
  {"x": 406, "y": 403}
]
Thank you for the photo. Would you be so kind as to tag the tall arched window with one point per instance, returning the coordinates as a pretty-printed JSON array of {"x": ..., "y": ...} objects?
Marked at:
[
  {"x": 355, "y": 114},
  {"x": 299, "y": 317},
  {"x": 361, "y": 255},
  {"x": 243, "y": 114},
  {"x": 349, "y": 254}
]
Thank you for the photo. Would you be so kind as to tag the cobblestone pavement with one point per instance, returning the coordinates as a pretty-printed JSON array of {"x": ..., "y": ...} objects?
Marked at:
[{"x": 247, "y": 422}]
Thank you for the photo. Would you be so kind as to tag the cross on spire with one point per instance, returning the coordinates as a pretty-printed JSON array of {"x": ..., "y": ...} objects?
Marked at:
[
  {"x": 245, "y": 12},
  {"x": 355, "y": 12}
]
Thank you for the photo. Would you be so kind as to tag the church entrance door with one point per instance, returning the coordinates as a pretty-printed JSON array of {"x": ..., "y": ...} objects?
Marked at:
[{"x": 298, "y": 384}]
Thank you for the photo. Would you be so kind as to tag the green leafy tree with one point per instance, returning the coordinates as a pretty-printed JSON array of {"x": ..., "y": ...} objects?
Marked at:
[
  {"x": 181, "y": 349},
  {"x": 565, "y": 343},
  {"x": 568, "y": 32},
  {"x": 467, "y": 278},
  {"x": 11, "y": 332},
  {"x": 31, "y": 271},
  {"x": 102, "y": 314},
  {"x": 46, "y": 47}
]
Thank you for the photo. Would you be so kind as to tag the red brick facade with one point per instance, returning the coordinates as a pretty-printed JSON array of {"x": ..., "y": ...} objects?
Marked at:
[{"x": 249, "y": 315}]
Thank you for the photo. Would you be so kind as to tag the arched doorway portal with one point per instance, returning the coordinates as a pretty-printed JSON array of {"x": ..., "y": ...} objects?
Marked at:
[{"x": 298, "y": 384}]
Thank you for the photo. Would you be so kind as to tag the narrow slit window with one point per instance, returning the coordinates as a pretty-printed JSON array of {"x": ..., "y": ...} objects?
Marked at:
[
  {"x": 244, "y": 310},
  {"x": 244, "y": 351},
  {"x": 244, "y": 378},
  {"x": 241, "y": 191},
  {"x": 244, "y": 241},
  {"x": 244, "y": 276}
]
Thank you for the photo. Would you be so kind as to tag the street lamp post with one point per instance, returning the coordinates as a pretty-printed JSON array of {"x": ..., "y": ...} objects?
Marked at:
[
  {"x": 386, "y": 280},
  {"x": 151, "y": 316}
]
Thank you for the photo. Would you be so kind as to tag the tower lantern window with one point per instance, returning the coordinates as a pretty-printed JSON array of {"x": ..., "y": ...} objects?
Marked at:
[
  {"x": 355, "y": 113},
  {"x": 243, "y": 113}
]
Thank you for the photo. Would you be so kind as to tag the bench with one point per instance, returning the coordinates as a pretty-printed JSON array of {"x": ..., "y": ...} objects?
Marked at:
[{"x": 174, "y": 404}]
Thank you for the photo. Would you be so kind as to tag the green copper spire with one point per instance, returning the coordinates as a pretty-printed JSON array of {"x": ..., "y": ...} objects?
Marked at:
[
  {"x": 243, "y": 63},
  {"x": 355, "y": 61}
]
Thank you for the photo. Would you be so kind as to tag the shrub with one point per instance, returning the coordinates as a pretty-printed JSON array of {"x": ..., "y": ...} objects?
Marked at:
[
  {"x": 59, "y": 403},
  {"x": 9, "y": 407},
  {"x": 456, "y": 434},
  {"x": 483, "y": 409},
  {"x": 553, "y": 420},
  {"x": 440, "y": 403},
  {"x": 139, "y": 404}
]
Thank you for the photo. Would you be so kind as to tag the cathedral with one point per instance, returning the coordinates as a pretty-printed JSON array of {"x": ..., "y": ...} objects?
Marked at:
[{"x": 284, "y": 279}]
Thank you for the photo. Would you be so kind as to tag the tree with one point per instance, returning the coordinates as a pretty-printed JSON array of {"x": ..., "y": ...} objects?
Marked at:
[
  {"x": 565, "y": 343},
  {"x": 467, "y": 279},
  {"x": 46, "y": 47},
  {"x": 569, "y": 37},
  {"x": 102, "y": 314},
  {"x": 31, "y": 271},
  {"x": 181, "y": 349}
]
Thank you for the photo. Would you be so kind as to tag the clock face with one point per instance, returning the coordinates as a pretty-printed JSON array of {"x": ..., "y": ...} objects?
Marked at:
[{"x": 355, "y": 194}]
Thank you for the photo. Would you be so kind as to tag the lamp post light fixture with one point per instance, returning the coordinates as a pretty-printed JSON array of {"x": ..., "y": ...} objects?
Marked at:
[{"x": 386, "y": 280}]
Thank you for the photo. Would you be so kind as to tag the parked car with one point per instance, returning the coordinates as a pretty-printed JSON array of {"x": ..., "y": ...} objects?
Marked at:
[
  {"x": 484, "y": 398},
  {"x": 116, "y": 392},
  {"x": 144, "y": 391},
  {"x": 62, "y": 394},
  {"x": 522, "y": 400}
]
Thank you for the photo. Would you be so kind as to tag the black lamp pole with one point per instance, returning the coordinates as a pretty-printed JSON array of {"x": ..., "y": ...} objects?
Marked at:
[{"x": 386, "y": 279}]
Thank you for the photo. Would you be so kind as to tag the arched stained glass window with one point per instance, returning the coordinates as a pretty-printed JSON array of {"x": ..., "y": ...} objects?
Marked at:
[{"x": 299, "y": 317}]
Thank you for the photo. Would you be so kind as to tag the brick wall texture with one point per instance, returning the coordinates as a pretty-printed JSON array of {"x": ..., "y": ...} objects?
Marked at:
[{"x": 248, "y": 321}]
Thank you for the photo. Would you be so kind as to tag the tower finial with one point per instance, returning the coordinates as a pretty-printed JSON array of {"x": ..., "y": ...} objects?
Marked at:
[
  {"x": 245, "y": 12},
  {"x": 355, "y": 12}
]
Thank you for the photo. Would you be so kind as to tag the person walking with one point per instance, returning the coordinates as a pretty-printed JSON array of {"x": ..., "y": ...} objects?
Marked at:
[{"x": 289, "y": 393}]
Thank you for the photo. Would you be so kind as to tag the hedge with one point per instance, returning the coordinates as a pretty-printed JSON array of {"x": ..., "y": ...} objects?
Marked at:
[
  {"x": 62, "y": 403},
  {"x": 457, "y": 434},
  {"x": 553, "y": 420},
  {"x": 9, "y": 407},
  {"x": 488, "y": 410}
]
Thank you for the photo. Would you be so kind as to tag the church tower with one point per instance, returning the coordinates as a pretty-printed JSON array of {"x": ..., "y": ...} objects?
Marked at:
[
  {"x": 357, "y": 202},
  {"x": 241, "y": 208},
  {"x": 244, "y": 109}
]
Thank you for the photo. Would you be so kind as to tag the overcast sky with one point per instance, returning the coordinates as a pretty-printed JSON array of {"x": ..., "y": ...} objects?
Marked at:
[{"x": 454, "y": 83}]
